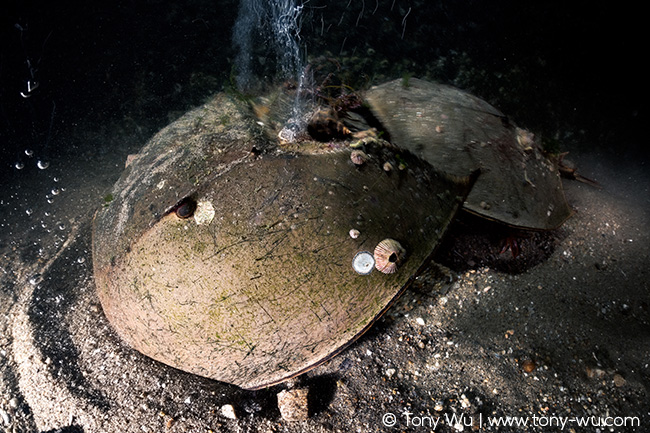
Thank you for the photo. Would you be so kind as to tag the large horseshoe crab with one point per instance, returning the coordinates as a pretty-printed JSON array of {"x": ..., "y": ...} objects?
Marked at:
[
  {"x": 230, "y": 256},
  {"x": 249, "y": 260}
]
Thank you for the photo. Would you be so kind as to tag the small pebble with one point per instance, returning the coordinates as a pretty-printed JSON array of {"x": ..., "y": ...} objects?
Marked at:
[
  {"x": 594, "y": 372},
  {"x": 354, "y": 233},
  {"x": 390, "y": 372},
  {"x": 6, "y": 420},
  {"x": 228, "y": 411},
  {"x": 619, "y": 381},
  {"x": 293, "y": 404},
  {"x": 528, "y": 366}
]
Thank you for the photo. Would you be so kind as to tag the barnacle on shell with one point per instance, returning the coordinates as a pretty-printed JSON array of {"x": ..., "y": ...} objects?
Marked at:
[
  {"x": 388, "y": 255},
  {"x": 358, "y": 157}
]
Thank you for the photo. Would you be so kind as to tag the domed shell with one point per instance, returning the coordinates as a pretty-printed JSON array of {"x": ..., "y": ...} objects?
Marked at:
[{"x": 260, "y": 287}]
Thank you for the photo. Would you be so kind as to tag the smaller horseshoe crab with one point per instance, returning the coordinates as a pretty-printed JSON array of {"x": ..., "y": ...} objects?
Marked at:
[{"x": 458, "y": 133}]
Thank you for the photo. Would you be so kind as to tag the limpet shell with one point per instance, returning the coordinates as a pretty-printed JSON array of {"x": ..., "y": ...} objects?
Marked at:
[
  {"x": 363, "y": 262},
  {"x": 388, "y": 255}
]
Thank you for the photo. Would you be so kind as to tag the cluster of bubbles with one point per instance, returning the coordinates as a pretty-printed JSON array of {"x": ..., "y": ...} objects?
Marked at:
[
  {"x": 277, "y": 24},
  {"x": 42, "y": 164},
  {"x": 56, "y": 190},
  {"x": 48, "y": 231}
]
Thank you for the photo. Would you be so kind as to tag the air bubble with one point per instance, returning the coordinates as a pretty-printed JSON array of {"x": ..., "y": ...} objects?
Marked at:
[
  {"x": 81, "y": 260},
  {"x": 29, "y": 211},
  {"x": 29, "y": 152},
  {"x": 42, "y": 164},
  {"x": 19, "y": 165},
  {"x": 55, "y": 191}
]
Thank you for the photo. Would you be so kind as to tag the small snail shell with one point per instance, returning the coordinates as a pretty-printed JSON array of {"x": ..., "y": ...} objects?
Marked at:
[{"x": 388, "y": 254}]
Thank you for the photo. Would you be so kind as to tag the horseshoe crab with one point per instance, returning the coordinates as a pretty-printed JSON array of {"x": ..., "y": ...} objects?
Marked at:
[
  {"x": 236, "y": 257},
  {"x": 234, "y": 254},
  {"x": 458, "y": 133}
]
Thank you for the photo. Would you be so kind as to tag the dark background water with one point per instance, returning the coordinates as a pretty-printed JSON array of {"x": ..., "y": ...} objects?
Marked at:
[{"x": 570, "y": 71}]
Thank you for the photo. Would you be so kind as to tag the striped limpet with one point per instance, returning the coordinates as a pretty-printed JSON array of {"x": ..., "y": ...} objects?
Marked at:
[{"x": 388, "y": 254}]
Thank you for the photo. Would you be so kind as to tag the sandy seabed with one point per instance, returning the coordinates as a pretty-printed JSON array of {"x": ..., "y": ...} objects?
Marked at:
[{"x": 563, "y": 346}]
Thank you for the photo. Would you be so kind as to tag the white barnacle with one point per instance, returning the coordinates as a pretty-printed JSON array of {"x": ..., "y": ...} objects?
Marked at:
[{"x": 204, "y": 212}]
